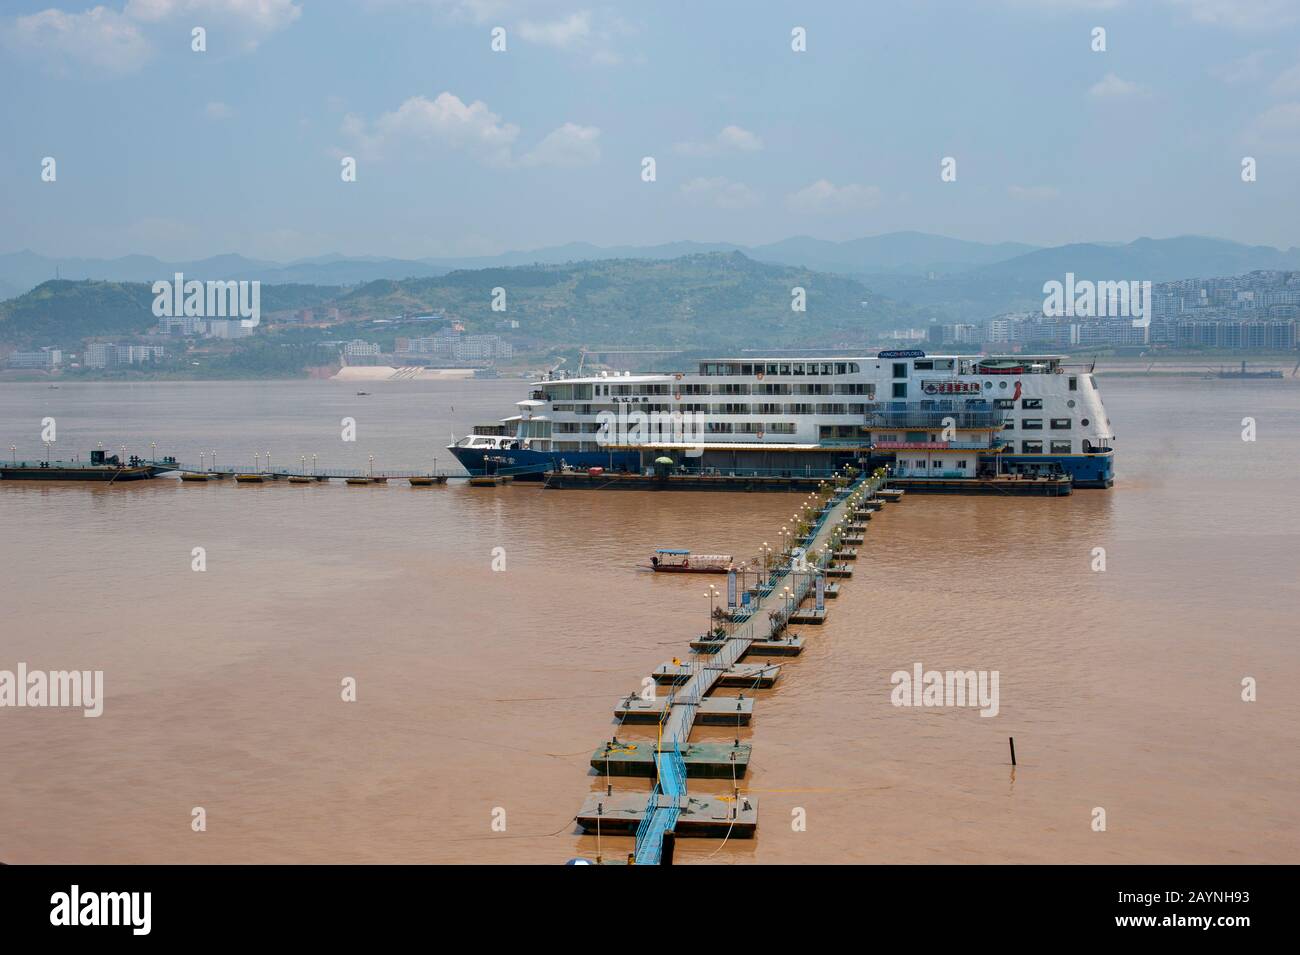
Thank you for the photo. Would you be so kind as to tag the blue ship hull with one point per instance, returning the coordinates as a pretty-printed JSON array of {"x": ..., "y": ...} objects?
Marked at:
[
  {"x": 527, "y": 464},
  {"x": 1085, "y": 470}
]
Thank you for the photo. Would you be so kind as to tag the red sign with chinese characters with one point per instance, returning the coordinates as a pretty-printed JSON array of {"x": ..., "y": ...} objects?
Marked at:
[{"x": 951, "y": 387}]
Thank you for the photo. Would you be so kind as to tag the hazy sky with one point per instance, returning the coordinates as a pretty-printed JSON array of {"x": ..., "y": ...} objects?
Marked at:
[{"x": 463, "y": 151}]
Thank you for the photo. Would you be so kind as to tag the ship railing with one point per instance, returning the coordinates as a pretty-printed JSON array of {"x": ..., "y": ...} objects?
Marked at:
[{"x": 916, "y": 418}]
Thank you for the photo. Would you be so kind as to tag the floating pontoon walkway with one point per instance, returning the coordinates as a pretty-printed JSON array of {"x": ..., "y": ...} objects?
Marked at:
[{"x": 672, "y": 758}]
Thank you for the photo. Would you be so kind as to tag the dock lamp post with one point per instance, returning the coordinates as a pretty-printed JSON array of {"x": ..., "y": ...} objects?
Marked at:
[
  {"x": 257, "y": 462},
  {"x": 13, "y": 453},
  {"x": 304, "y": 462},
  {"x": 313, "y": 464},
  {"x": 268, "y": 461},
  {"x": 153, "y": 450},
  {"x": 372, "y": 465},
  {"x": 711, "y": 593}
]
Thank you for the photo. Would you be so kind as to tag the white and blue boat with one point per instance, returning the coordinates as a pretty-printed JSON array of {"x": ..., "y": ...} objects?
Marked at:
[{"x": 924, "y": 416}]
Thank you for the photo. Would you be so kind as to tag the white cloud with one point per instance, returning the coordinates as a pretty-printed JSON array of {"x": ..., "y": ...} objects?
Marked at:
[
  {"x": 1247, "y": 69},
  {"x": 1240, "y": 14},
  {"x": 562, "y": 34},
  {"x": 570, "y": 146},
  {"x": 729, "y": 139},
  {"x": 1287, "y": 82},
  {"x": 720, "y": 192},
  {"x": 100, "y": 37},
  {"x": 1237, "y": 14},
  {"x": 1111, "y": 86},
  {"x": 116, "y": 40},
  {"x": 447, "y": 122},
  {"x": 1277, "y": 129},
  {"x": 824, "y": 197},
  {"x": 247, "y": 22},
  {"x": 218, "y": 110},
  {"x": 1033, "y": 193}
]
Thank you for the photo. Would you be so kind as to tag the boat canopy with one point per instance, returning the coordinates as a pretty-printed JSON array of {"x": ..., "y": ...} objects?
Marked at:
[{"x": 671, "y": 550}]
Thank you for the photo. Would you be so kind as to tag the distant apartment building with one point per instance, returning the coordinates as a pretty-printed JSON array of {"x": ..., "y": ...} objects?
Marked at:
[
  {"x": 454, "y": 346},
  {"x": 186, "y": 325},
  {"x": 955, "y": 334},
  {"x": 108, "y": 355},
  {"x": 45, "y": 359},
  {"x": 227, "y": 328},
  {"x": 360, "y": 349}
]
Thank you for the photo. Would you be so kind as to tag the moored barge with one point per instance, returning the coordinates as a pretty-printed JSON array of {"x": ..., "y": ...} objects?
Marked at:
[{"x": 102, "y": 466}]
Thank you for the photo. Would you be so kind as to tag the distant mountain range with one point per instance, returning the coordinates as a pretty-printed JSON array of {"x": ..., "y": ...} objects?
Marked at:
[
  {"x": 715, "y": 300},
  {"x": 965, "y": 279}
]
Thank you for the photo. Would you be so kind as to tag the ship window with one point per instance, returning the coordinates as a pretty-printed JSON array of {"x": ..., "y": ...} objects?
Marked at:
[
  {"x": 798, "y": 368},
  {"x": 1031, "y": 424},
  {"x": 1031, "y": 404},
  {"x": 746, "y": 369},
  {"x": 785, "y": 368},
  {"x": 1070, "y": 403},
  {"x": 900, "y": 389},
  {"x": 1074, "y": 383},
  {"x": 1009, "y": 424},
  {"x": 841, "y": 367},
  {"x": 1031, "y": 447},
  {"x": 900, "y": 369},
  {"x": 1060, "y": 424},
  {"x": 923, "y": 365},
  {"x": 1060, "y": 447},
  {"x": 853, "y": 367},
  {"x": 1001, "y": 384},
  {"x": 772, "y": 369},
  {"x": 1003, "y": 403},
  {"x": 1084, "y": 422},
  {"x": 962, "y": 464}
]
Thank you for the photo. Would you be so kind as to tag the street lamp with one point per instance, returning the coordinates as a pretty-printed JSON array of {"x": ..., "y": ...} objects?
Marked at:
[
  {"x": 710, "y": 593},
  {"x": 13, "y": 453}
]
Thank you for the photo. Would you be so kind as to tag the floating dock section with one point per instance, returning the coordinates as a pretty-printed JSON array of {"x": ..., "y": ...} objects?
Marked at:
[{"x": 755, "y": 627}]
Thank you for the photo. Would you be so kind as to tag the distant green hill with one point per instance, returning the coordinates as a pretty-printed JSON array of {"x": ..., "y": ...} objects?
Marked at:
[
  {"x": 710, "y": 300},
  {"x": 65, "y": 313}
]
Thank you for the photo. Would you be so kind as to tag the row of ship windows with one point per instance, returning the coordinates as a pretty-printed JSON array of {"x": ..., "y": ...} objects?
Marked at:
[
  {"x": 779, "y": 368},
  {"x": 1036, "y": 424},
  {"x": 731, "y": 409},
  {"x": 639, "y": 392}
]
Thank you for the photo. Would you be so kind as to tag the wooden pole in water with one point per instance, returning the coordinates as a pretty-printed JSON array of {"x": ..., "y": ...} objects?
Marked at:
[{"x": 1012, "y": 741}]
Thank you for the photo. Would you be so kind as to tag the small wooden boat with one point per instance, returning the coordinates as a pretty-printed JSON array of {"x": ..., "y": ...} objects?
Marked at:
[{"x": 670, "y": 560}]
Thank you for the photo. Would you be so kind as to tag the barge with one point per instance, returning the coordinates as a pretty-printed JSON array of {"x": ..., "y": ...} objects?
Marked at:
[{"x": 102, "y": 466}]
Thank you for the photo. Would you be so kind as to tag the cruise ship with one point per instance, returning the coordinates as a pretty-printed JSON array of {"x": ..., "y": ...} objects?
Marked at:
[{"x": 922, "y": 415}]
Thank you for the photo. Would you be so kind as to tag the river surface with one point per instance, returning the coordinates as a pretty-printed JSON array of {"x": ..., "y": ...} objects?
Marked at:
[{"x": 481, "y": 692}]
